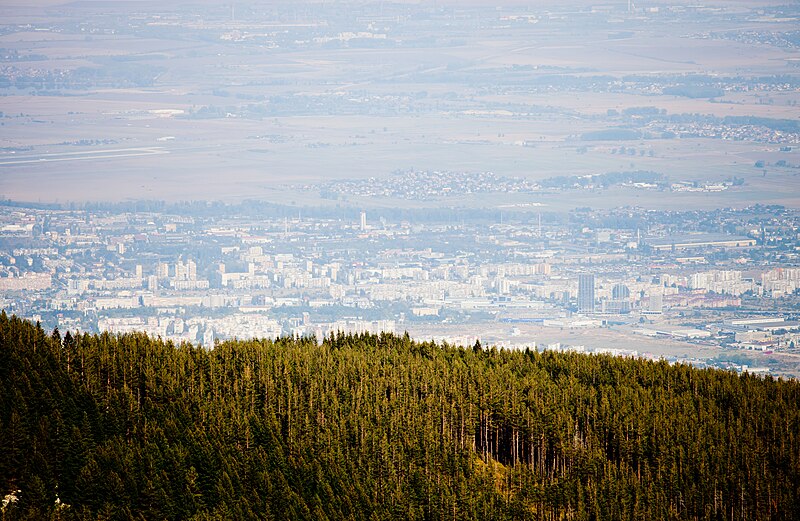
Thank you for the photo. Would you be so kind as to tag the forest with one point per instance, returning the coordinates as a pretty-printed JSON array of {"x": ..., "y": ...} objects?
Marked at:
[{"x": 382, "y": 427}]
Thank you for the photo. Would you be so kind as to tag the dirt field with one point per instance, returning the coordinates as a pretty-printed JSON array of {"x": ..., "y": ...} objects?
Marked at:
[{"x": 461, "y": 98}]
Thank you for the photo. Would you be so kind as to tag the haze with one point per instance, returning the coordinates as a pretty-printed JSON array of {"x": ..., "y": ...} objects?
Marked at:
[{"x": 138, "y": 100}]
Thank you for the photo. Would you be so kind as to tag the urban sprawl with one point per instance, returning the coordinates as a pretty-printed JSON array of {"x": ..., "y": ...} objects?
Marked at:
[{"x": 200, "y": 272}]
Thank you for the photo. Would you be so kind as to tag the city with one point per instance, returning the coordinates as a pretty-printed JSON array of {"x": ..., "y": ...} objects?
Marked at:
[
  {"x": 405, "y": 259},
  {"x": 621, "y": 281}
]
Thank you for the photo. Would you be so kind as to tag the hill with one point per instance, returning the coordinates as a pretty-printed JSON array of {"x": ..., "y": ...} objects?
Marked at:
[{"x": 382, "y": 427}]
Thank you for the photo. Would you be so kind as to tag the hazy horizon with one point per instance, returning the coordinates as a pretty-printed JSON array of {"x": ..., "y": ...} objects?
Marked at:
[{"x": 255, "y": 100}]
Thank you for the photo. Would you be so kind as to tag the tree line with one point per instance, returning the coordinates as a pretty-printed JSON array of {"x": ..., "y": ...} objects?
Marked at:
[{"x": 381, "y": 427}]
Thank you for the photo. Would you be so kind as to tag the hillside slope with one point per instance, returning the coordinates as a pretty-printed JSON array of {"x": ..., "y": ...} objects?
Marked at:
[{"x": 382, "y": 427}]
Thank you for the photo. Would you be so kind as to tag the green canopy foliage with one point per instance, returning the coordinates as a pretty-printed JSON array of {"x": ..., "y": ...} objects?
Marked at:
[{"x": 382, "y": 427}]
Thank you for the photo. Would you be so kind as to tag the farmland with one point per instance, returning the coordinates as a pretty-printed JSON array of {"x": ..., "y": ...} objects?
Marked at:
[{"x": 251, "y": 102}]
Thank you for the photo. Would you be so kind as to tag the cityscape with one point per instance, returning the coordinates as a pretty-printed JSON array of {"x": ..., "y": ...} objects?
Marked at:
[
  {"x": 700, "y": 287},
  {"x": 616, "y": 177},
  {"x": 400, "y": 259}
]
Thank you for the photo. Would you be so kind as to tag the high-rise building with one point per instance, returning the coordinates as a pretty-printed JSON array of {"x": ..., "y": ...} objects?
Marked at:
[
  {"x": 163, "y": 270},
  {"x": 363, "y": 221},
  {"x": 152, "y": 283},
  {"x": 656, "y": 304},
  {"x": 181, "y": 271},
  {"x": 620, "y": 300},
  {"x": 586, "y": 293},
  {"x": 186, "y": 271}
]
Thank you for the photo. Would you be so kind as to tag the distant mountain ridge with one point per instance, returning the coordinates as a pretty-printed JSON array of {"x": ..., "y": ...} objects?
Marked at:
[{"x": 381, "y": 427}]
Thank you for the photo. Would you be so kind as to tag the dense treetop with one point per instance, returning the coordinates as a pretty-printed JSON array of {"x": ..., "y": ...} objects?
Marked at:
[{"x": 382, "y": 427}]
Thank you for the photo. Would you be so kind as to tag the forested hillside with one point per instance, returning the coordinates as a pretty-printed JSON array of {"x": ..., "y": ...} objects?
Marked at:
[{"x": 382, "y": 427}]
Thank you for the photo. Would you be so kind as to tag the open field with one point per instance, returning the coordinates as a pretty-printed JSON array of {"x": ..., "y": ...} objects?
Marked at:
[
  {"x": 592, "y": 338},
  {"x": 242, "y": 107},
  {"x": 617, "y": 337},
  {"x": 232, "y": 159}
]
